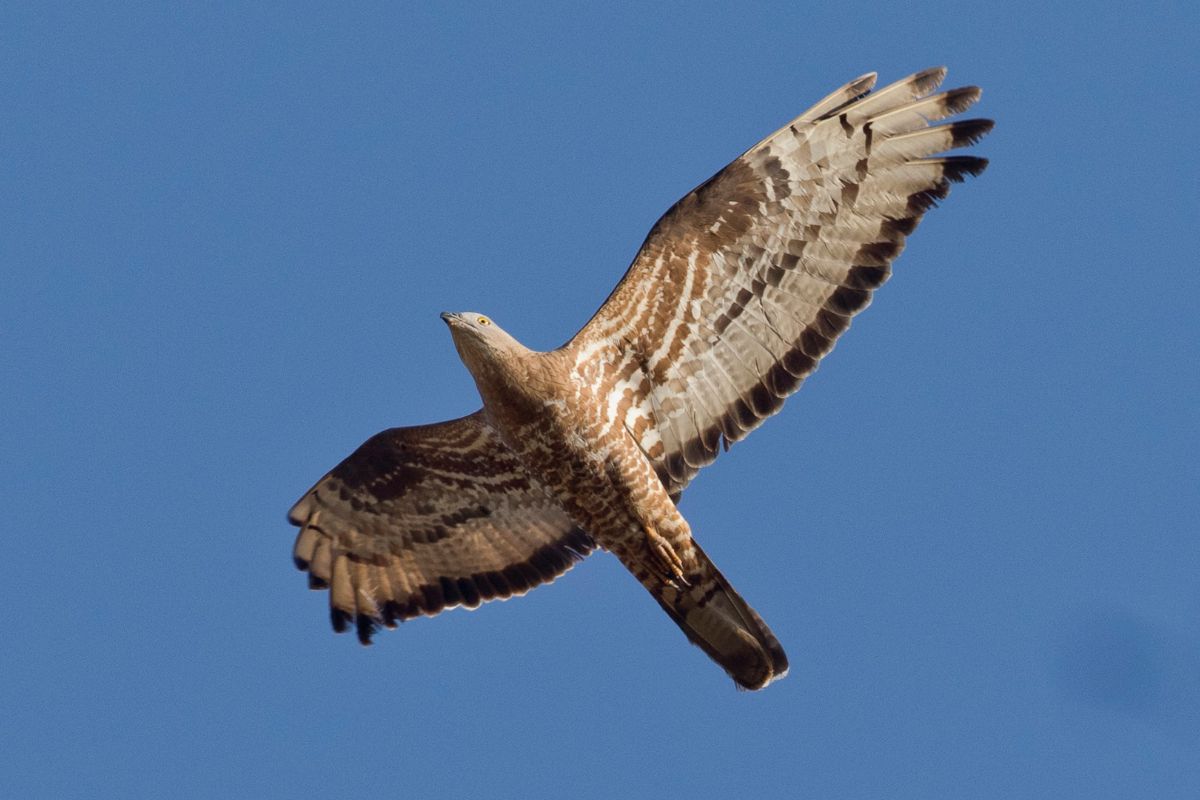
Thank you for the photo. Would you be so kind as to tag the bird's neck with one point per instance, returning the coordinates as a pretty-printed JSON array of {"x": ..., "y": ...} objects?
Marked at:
[{"x": 515, "y": 381}]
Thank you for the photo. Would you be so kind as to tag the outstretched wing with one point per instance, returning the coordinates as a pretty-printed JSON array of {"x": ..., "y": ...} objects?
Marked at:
[
  {"x": 421, "y": 519},
  {"x": 745, "y": 284}
]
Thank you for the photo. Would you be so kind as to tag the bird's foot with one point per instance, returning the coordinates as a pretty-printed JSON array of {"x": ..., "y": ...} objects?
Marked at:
[{"x": 664, "y": 557}]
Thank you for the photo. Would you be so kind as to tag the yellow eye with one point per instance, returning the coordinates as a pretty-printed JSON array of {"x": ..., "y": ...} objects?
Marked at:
[{"x": 484, "y": 321}]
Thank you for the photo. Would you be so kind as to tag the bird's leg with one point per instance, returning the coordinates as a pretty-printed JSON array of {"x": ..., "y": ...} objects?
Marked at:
[{"x": 663, "y": 556}]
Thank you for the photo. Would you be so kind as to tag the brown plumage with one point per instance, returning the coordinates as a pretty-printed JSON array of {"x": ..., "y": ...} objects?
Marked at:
[{"x": 735, "y": 296}]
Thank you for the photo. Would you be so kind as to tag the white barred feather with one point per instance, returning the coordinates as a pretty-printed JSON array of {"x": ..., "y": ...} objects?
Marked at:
[
  {"x": 738, "y": 292},
  {"x": 790, "y": 238}
]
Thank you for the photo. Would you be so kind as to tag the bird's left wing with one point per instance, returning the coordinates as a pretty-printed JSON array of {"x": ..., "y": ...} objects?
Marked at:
[
  {"x": 745, "y": 284},
  {"x": 421, "y": 519}
]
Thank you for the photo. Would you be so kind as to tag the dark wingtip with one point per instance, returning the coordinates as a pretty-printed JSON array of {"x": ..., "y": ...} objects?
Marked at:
[
  {"x": 927, "y": 80},
  {"x": 847, "y": 301},
  {"x": 393, "y": 613},
  {"x": 957, "y": 168},
  {"x": 340, "y": 620},
  {"x": 861, "y": 86},
  {"x": 920, "y": 202},
  {"x": 970, "y": 131},
  {"x": 450, "y": 593},
  {"x": 469, "y": 593},
  {"x": 959, "y": 100},
  {"x": 903, "y": 226},
  {"x": 366, "y": 628}
]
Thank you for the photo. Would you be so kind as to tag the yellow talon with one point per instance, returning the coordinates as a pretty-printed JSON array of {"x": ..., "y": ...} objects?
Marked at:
[{"x": 665, "y": 556}]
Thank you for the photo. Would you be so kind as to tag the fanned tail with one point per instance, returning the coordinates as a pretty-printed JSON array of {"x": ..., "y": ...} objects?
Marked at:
[{"x": 716, "y": 619}]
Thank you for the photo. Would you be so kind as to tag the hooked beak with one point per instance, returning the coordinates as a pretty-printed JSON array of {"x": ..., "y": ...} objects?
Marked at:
[{"x": 449, "y": 318}]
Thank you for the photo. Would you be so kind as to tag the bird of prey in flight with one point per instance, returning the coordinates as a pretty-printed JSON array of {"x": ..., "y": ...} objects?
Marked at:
[{"x": 737, "y": 293}]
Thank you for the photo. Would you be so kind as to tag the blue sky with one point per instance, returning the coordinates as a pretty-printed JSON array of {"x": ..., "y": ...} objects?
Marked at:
[{"x": 228, "y": 230}]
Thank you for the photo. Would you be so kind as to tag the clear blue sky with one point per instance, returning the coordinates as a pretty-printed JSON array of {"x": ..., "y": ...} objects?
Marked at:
[{"x": 228, "y": 230}]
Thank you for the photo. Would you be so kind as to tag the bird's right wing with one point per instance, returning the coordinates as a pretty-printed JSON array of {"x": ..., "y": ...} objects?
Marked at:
[{"x": 421, "y": 519}]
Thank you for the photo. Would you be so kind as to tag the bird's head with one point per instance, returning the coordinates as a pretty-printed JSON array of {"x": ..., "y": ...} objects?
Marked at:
[{"x": 479, "y": 341}]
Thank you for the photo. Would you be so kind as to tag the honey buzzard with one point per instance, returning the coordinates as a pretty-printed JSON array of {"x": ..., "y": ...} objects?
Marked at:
[{"x": 737, "y": 293}]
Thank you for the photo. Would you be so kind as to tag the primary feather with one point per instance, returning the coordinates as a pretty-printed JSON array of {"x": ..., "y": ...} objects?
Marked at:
[{"x": 738, "y": 292}]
